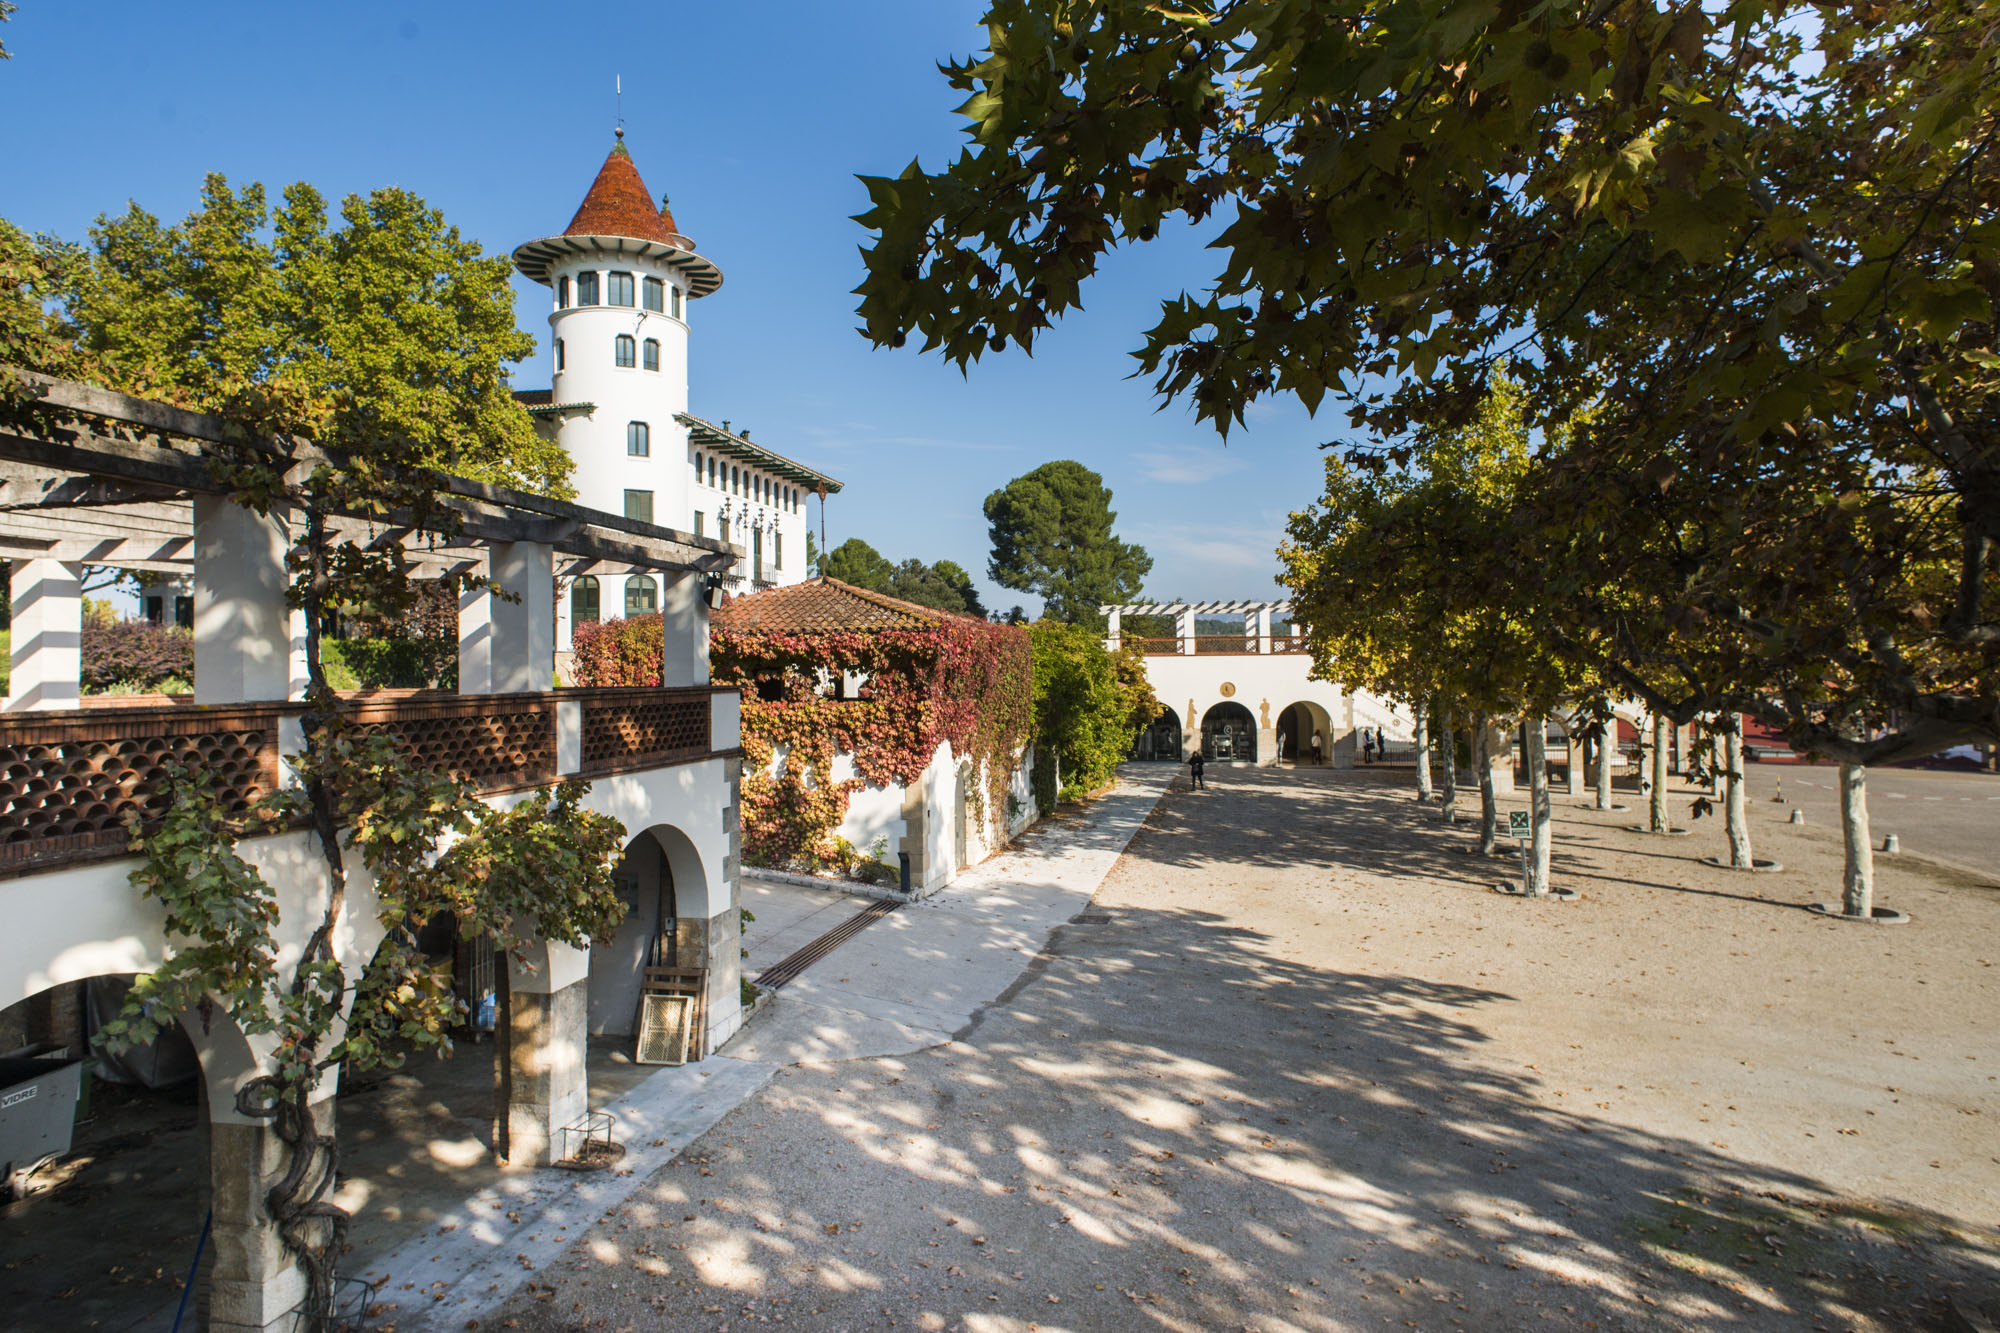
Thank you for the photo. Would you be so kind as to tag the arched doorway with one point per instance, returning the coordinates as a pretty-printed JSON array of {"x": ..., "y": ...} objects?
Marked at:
[
  {"x": 1229, "y": 734},
  {"x": 661, "y": 882},
  {"x": 1297, "y": 724},
  {"x": 1160, "y": 739}
]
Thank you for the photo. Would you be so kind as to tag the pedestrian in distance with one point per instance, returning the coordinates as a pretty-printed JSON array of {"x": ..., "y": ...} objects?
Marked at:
[
  {"x": 1195, "y": 761},
  {"x": 1316, "y": 748}
]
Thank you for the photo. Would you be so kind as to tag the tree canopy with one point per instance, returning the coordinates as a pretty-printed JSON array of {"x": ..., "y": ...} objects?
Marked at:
[
  {"x": 1751, "y": 253},
  {"x": 382, "y": 323},
  {"x": 944, "y": 585},
  {"x": 1051, "y": 532}
]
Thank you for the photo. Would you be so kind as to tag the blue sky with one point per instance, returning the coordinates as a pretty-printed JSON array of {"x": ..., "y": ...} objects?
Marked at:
[{"x": 756, "y": 120}]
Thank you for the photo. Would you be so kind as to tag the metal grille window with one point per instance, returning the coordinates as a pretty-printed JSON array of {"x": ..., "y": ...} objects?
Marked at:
[
  {"x": 639, "y": 506},
  {"x": 656, "y": 295},
  {"x": 586, "y": 289},
  {"x": 624, "y": 350},
  {"x": 620, "y": 288},
  {"x": 650, "y": 354},
  {"x": 642, "y": 596},
  {"x": 638, "y": 439}
]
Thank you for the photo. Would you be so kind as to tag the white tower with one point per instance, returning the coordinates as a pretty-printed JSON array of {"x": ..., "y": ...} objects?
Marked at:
[{"x": 622, "y": 277}]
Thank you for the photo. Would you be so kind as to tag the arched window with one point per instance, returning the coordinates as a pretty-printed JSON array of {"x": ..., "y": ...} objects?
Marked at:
[
  {"x": 642, "y": 595},
  {"x": 586, "y": 289},
  {"x": 562, "y": 292},
  {"x": 711, "y": 472},
  {"x": 650, "y": 354},
  {"x": 638, "y": 439},
  {"x": 584, "y": 601},
  {"x": 656, "y": 295},
  {"x": 623, "y": 350},
  {"x": 559, "y": 354},
  {"x": 736, "y": 480},
  {"x": 697, "y": 469}
]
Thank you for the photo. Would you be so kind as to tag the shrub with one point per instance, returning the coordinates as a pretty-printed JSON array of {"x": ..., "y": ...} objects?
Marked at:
[
  {"x": 390, "y": 664},
  {"x": 618, "y": 652},
  {"x": 1088, "y": 703},
  {"x": 135, "y": 654}
]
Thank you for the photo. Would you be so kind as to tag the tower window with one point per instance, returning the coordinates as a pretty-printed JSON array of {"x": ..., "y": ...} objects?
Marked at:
[
  {"x": 656, "y": 294},
  {"x": 650, "y": 354},
  {"x": 586, "y": 289},
  {"x": 638, "y": 439},
  {"x": 584, "y": 601},
  {"x": 642, "y": 596},
  {"x": 623, "y": 350},
  {"x": 621, "y": 288},
  {"x": 639, "y": 506},
  {"x": 559, "y": 354},
  {"x": 677, "y": 303},
  {"x": 562, "y": 292}
]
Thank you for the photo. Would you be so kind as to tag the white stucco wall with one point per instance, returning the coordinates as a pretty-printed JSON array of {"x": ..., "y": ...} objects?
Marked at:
[{"x": 1266, "y": 684}]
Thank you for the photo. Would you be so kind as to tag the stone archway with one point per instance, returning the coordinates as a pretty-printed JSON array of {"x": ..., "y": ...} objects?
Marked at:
[
  {"x": 661, "y": 881},
  {"x": 1160, "y": 739},
  {"x": 1297, "y": 723},
  {"x": 1229, "y": 734}
]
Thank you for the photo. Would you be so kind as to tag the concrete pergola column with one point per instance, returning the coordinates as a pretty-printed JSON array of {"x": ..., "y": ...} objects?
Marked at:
[
  {"x": 547, "y": 1018},
  {"x": 1114, "y": 627},
  {"x": 475, "y": 640},
  {"x": 1184, "y": 627},
  {"x": 1264, "y": 630},
  {"x": 684, "y": 632},
  {"x": 47, "y": 645},
  {"x": 523, "y": 625},
  {"x": 244, "y": 645}
]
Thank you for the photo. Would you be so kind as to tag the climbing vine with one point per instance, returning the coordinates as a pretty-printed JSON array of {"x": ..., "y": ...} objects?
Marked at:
[{"x": 962, "y": 681}]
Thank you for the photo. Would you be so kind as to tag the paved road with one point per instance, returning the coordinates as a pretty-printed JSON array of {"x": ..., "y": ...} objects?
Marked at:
[{"x": 1951, "y": 817}]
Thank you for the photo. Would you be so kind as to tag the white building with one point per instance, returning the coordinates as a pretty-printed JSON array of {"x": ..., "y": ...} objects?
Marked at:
[{"x": 623, "y": 281}]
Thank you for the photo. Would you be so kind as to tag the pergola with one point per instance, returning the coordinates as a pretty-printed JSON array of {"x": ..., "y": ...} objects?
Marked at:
[
  {"x": 1256, "y": 636},
  {"x": 89, "y": 477}
]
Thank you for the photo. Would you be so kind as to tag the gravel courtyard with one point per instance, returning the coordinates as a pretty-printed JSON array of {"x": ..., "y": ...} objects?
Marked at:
[{"x": 1311, "y": 1074}]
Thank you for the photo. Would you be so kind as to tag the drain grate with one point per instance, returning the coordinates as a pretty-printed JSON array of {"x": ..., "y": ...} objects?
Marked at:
[
  {"x": 788, "y": 968},
  {"x": 1091, "y": 919}
]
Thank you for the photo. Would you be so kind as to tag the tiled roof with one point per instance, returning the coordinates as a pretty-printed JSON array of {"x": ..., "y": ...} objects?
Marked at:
[
  {"x": 824, "y": 606},
  {"x": 618, "y": 204}
]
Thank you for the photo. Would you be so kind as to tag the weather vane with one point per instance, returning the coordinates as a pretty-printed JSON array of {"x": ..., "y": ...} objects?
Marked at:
[{"x": 618, "y": 102}]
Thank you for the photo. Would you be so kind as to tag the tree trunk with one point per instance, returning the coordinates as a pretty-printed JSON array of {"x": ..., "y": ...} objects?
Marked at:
[
  {"x": 1857, "y": 888},
  {"x": 1423, "y": 754},
  {"x": 1656, "y": 809},
  {"x": 1607, "y": 745},
  {"x": 1482, "y": 763},
  {"x": 1735, "y": 812},
  {"x": 1538, "y": 810},
  {"x": 1449, "y": 738}
]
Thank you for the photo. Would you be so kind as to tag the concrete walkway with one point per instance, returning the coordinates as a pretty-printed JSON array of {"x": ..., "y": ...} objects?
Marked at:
[{"x": 910, "y": 981}]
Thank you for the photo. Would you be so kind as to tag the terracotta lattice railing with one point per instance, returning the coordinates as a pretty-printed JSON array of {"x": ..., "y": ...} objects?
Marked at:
[{"x": 72, "y": 782}]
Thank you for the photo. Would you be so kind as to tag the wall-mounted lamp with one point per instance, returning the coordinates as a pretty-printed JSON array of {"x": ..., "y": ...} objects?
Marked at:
[{"x": 711, "y": 590}]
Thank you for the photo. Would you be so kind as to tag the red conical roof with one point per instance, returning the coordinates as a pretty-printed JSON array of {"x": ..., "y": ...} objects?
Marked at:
[{"x": 619, "y": 204}]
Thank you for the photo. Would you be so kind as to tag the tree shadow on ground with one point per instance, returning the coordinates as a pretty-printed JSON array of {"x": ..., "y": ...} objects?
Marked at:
[{"x": 1170, "y": 1127}]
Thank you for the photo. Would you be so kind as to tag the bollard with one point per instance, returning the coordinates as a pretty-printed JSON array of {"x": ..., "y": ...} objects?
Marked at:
[
  {"x": 1778, "y": 797},
  {"x": 1798, "y": 817},
  {"x": 1892, "y": 843}
]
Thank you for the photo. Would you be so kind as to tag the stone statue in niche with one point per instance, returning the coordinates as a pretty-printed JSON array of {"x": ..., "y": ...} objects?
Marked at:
[{"x": 1264, "y": 714}]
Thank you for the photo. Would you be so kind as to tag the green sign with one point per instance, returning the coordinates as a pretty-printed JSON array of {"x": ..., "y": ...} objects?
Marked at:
[{"x": 1517, "y": 823}]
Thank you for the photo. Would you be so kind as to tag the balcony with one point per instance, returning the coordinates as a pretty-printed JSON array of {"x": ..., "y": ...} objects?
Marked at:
[
  {"x": 73, "y": 781},
  {"x": 1206, "y": 644}
]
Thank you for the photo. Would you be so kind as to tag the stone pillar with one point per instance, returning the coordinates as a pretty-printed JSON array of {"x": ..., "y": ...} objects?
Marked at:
[
  {"x": 1184, "y": 626},
  {"x": 1343, "y": 739},
  {"x": 475, "y": 640},
  {"x": 242, "y": 627},
  {"x": 47, "y": 644},
  {"x": 254, "y": 1284},
  {"x": 548, "y": 1021},
  {"x": 1500, "y": 757},
  {"x": 1114, "y": 628},
  {"x": 684, "y": 632},
  {"x": 1264, "y": 630},
  {"x": 522, "y": 631}
]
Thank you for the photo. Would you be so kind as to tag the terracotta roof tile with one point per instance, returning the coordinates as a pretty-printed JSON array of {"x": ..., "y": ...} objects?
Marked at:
[
  {"x": 824, "y": 606},
  {"x": 618, "y": 205}
]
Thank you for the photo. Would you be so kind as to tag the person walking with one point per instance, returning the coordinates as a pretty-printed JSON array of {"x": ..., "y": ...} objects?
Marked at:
[
  {"x": 1316, "y": 748},
  {"x": 1195, "y": 762}
]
